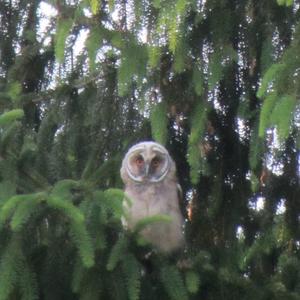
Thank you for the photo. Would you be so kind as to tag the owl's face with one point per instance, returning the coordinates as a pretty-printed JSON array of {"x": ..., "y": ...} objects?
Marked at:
[{"x": 147, "y": 162}]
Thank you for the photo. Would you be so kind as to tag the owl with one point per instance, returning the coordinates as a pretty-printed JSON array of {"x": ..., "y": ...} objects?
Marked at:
[{"x": 149, "y": 176}]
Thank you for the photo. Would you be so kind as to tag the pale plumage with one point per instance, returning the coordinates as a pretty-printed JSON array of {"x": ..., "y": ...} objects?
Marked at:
[{"x": 149, "y": 175}]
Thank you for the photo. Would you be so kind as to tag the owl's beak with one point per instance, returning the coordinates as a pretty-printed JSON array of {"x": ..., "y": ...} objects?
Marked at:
[{"x": 147, "y": 165}]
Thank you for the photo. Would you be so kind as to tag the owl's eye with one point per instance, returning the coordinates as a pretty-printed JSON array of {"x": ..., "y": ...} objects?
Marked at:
[
  {"x": 139, "y": 160},
  {"x": 155, "y": 162}
]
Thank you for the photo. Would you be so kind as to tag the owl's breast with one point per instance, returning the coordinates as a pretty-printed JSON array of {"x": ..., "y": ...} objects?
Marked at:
[{"x": 149, "y": 200}]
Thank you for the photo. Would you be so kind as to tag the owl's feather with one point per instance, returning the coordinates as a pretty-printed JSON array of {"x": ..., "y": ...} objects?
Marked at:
[{"x": 155, "y": 198}]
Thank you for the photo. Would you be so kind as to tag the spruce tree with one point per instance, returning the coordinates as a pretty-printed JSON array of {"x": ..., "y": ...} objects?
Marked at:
[{"x": 216, "y": 82}]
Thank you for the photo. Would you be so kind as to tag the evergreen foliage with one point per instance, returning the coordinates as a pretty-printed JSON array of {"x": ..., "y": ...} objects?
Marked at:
[
  {"x": 173, "y": 283},
  {"x": 10, "y": 116},
  {"x": 159, "y": 121},
  {"x": 63, "y": 28},
  {"x": 192, "y": 282},
  {"x": 216, "y": 82},
  {"x": 282, "y": 115},
  {"x": 195, "y": 157},
  {"x": 131, "y": 271}
]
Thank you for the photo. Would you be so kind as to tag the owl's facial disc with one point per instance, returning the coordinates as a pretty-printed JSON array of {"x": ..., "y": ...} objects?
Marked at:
[
  {"x": 147, "y": 162},
  {"x": 151, "y": 168}
]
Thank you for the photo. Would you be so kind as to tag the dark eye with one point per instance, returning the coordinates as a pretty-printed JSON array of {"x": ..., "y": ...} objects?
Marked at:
[
  {"x": 139, "y": 160},
  {"x": 155, "y": 162}
]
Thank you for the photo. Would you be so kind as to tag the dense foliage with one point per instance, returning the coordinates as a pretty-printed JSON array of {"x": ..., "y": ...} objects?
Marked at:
[{"x": 216, "y": 81}]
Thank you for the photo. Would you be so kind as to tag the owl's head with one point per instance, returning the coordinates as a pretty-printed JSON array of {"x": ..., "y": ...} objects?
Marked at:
[{"x": 147, "y": 162}]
